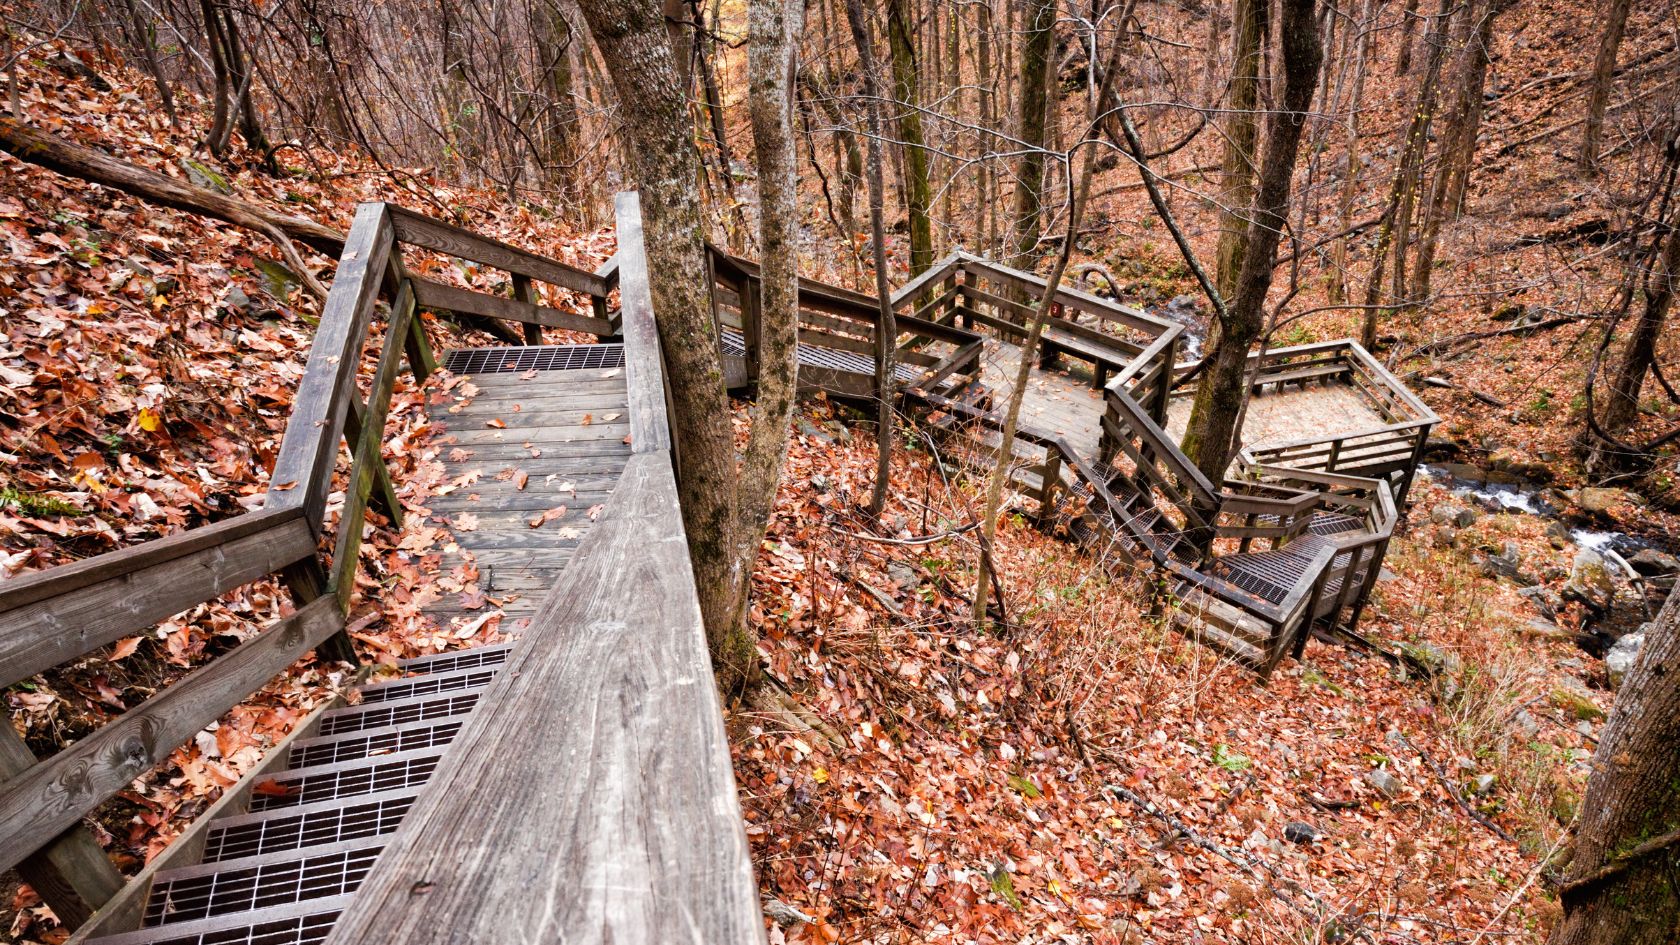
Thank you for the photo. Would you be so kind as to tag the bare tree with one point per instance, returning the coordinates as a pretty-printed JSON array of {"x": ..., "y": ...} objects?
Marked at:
[
  {"x": 1603, "y": 77},
  {"x": 1211, "y": 434},
  {"x": 886, "y": 333}
]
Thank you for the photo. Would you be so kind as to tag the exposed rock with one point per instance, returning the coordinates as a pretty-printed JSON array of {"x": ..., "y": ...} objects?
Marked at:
[
  {"x": 1590, "y": 581},
  {"x": 1455, "y": 515},
  {"x": 1299, "y": 831},
  {"x": 1650, "y": 562},
  {"x": 1384, "y": 781},
  {"x": 1437, "y": 447},
  {"x": 785, "y": 915},
  {"x": 1558, "y": 535},
  {"x": 1433, "y": 658},
  {"x": 1482, "y": 785},
  {"x": 902, "y": 574},
  {"x": 1440, "y": 382},
  {"x": 1508, "y": 564},
  {"x": 1446, "y": 536},
  {"x": 1526, "y": 724},
  {"x": 1544, "y": 599},
  {"x": 1598, "y": 500},
  {"x": 806, "y": 428},
  {"x": 1510, "y": 312},
  {"x": 1544, "y": 629},
  {"x": 205, "y": 176},
  {"x": 1619, "y": 661}
]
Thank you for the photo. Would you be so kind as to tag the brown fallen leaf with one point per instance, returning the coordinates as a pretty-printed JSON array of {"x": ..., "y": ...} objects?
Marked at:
[
  {"x": 458, "y": 455},
  {"x": 520, "y": 478},
  {"x": 124, "y": 648},
  {"x": 595, "y": 510},
  {"x": 588, "y": 418},
  {"x": 286, "y": 486},
  {"x": 536, "y": 453},
  {"x": 465, "y": 522},
  {"x": 273, "y": 788},
  {"x": 497, "y": 423},
  {"x": 543, "y": 518}
]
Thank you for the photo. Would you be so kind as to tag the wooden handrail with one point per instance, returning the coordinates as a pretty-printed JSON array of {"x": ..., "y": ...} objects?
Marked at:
[
  {"x": 650, "y": 425},
  {"x": 418, "y": 230},
  {"x": 56, "y": 615}
]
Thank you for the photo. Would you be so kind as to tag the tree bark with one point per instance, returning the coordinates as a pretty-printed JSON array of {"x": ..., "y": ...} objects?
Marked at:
[
  {"x": 1035, "y": 116},
  {"x": 658, "y": 145},
  {"x": 1211, "y": 433},
  {"x": 1248, "y": 30},
  {"x": 1622, "y": 886},
  {"x": 1622, "y": 408},
  {"x": 886, "y": 333},
  {"x": 1604, "y": 73},
  {"x": 918, "y": 193},
  {"x": 772, "y": 26}
]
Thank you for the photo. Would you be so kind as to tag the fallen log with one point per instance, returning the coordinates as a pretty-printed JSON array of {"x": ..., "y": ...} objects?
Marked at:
[{"x": 75, "y": 160}]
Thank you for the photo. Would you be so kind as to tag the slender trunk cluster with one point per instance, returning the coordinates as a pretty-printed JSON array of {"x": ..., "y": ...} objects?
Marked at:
[{"x": 1211, "y": 436}]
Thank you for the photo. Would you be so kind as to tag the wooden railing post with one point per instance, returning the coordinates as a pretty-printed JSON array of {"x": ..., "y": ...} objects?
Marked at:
[{"x": 526, "y": 291}]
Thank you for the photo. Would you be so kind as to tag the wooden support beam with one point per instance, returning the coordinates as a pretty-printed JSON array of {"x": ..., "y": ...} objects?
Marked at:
[
  {"x": 71, "y": 874},
  {"x": 417, "y": 230},
  {"x": 525, "y": 291},
  {"x": 46, "y": 800},
  {"x": 368, "y": 463},
  {"x": 385, "y": 499},
  {"x": 54, "y": 616},
  {"x": 454, "y": 299}
]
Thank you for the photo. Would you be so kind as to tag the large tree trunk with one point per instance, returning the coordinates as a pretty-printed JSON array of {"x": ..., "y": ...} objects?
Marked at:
[
  {"x": 1248, "y": 30},
  {"x": 772, "y": 26},
  {"x": 658, "y": 144},
  {"x": 918, "y": 193},
  {"x": 1219, "y": 397},
  {"x": 1604, "y": 73},
  {"x": 1035, "y": 115},
  {"x": 1623, "y": 881}
]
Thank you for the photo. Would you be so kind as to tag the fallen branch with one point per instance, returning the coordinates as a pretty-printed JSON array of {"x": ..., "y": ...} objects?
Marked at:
[
  {"x": 1458, "y": 799},
  {"x": 1620, "y": 863},
  {"x": 1446, "y": 344},
  {"x": 74, "y": 160}
]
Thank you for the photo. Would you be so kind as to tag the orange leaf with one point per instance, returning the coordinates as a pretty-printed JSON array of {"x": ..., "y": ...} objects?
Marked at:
[{"x": 498, "y": 424}]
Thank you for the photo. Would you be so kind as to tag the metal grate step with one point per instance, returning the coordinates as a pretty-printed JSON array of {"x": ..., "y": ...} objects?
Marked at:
[
  {"x": 334, "y": 749},
  {"x": 219, "y": 889},
  {"x": 368, "y": 776},
  {"x": 534, "y": 358},
  {"x": 304, "y": 923},
  {"x": 428, "y": 685},
  {"x": 458, "y": 659},
  {"x": 307, "y": 825},
  {"x": 360, "y": 718}
]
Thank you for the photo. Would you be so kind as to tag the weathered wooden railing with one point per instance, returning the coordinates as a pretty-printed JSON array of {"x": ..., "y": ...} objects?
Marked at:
[
  {"x": 1124, "y": 347},
  {"x": 590, "y": 797},
  {"x": 837, "y": 333},
  {"x": 1391, "y": 450},
  {"x": 50, "y": 617}
]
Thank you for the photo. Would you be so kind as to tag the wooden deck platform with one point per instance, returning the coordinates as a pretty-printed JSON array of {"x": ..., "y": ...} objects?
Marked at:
[
  {"x": 1296, "y": 413},
  {"x": 1059, "y": 403}
]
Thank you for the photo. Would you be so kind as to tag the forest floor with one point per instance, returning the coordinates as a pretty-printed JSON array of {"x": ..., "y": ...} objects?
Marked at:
[{"x": 1026, "y": 783}]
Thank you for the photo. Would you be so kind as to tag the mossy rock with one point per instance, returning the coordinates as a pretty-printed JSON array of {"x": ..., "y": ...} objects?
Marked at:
[{"x": 203, "y": 175}]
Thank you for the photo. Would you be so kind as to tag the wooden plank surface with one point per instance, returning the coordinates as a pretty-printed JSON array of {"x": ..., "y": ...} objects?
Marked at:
[
  {"x": 590, "y": 798},
  {"x": 41, "y": 803},
  {"x": 129, "y": 590}
]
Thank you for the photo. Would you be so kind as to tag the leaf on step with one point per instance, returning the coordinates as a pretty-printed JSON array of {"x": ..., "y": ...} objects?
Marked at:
[
  {"x": 520, "y": 478},
  {"x": 543, "y": 518},
  {"x": 497, "y": 423},
  {"x": 458, "y": 455},
  {"x": 588, "y": 418},
  {"x": 465, "y": 522}
]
